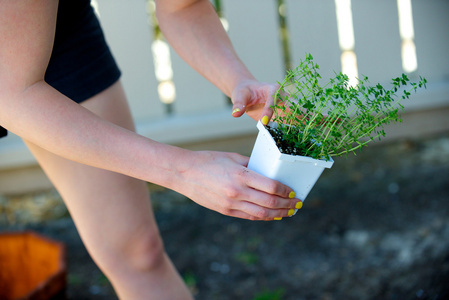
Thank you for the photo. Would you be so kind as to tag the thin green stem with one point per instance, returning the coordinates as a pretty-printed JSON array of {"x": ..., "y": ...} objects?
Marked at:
[{"x": 334, "y": 119}]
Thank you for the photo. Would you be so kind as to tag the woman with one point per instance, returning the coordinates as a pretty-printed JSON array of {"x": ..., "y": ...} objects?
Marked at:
[{"x": 60, "y": 91}]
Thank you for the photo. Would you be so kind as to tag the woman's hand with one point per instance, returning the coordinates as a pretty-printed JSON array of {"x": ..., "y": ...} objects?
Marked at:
[
  {"x": 255, "y": 99},
  {"x": 221, "y": 182}
]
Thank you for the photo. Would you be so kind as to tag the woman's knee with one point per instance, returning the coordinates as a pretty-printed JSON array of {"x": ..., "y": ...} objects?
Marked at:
[{"x": 145, "y": 252}]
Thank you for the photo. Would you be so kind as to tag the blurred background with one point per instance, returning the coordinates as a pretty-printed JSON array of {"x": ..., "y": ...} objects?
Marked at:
[{"x": 376, "y": 224}]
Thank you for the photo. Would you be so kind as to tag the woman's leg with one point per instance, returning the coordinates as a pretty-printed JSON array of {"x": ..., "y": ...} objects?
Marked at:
[{"x": 113, "y": 215}]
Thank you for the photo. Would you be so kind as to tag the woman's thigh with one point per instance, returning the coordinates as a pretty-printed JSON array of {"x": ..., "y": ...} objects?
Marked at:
[{"x": 110, "y": 210}]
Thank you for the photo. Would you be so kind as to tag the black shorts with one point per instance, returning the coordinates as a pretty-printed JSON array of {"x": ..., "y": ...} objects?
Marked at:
[{"x": 81, "y": 64}]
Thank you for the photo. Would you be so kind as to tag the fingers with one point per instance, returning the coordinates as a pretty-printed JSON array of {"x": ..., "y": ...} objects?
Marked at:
[
  {"x": 239, "y": 101},
  {"x": 238, "y": 110},
  {"x": 261, "y": 183},
  {"x": 264, "y": 206},
  {"x": 256, "y": 211},
  {"x": 265, "y": 192},
  {"x": 265, "y": 199},
  {"x": 251, "y": 204},
  {"x": 251, "y": 211},
  {"x": 267, "y": 113}
]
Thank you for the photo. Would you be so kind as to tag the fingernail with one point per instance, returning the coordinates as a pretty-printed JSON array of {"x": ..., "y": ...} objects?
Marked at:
[
  {"x": 277, "y": 219},
  {"x": 265, "y": 120},
  {"x": 236, "y": 110},
  {"x": 291, "y": 212},
  {"x": 291, "y": 195},
  {"x": 298, "y": 205}
]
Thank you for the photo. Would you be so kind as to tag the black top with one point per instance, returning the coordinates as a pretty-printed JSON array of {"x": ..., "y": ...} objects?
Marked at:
[{"x": 81, "y": 64}]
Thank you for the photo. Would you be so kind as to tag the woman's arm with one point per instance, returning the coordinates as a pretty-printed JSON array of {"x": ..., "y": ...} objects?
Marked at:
[
  {"x": 30, "y": 107},
  {"x": 194, "y": 30},
  {"x": 38, "y": 113}
]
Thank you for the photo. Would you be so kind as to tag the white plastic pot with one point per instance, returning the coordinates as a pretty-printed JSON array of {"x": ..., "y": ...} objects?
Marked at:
[{"x": 298, "y": 172}]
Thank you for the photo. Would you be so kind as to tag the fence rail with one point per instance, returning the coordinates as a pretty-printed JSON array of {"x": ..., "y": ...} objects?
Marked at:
[{"x": 172, "y": 103}]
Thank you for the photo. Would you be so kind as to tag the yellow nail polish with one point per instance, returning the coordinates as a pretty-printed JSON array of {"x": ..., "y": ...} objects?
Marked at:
[
  {"x": 291, "y": 195},
  {"x": 236, "y": 110},
  {"x": 265, "y": 120},
  {"x": 277, "y": 219},
  {"x": 291, "y": 212},
  {"x": 298, "y": 205}
]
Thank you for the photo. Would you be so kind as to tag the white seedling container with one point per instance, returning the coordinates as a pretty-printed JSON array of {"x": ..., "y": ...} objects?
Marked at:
[{"x": 298, "y": 172}]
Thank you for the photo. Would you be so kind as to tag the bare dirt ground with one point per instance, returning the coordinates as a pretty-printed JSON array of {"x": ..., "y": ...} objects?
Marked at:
[{"x": 376, "y": 226}]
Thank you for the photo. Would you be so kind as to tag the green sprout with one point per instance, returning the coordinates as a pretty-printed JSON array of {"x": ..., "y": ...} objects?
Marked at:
[{"x": 337, "y": 118}]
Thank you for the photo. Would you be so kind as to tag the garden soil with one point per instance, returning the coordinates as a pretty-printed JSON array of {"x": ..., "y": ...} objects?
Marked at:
[{"x": 376, "y": 226}]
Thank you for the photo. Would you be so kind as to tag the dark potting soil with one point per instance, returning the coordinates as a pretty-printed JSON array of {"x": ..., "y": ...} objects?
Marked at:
[
  {"x": 375, "y": 226},
  {"x": 286, "y": 146}
]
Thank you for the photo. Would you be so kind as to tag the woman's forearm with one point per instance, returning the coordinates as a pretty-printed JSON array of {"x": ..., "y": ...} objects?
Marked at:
[
  {"x": 38, "y": 113},
  {"x": 196, "y": 33},
  {"x": 73, "y": 132}
]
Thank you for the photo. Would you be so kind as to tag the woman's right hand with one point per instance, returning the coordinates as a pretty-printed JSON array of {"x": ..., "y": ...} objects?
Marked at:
[{"x": 222, "y": 182}]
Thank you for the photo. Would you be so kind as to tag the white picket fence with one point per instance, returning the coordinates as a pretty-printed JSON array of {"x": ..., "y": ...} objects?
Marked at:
[{"x": 201, "y": 112}]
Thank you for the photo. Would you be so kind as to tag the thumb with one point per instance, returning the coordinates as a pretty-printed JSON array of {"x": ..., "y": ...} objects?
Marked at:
[{"x": 267, "y": 114}]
